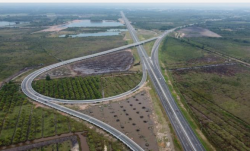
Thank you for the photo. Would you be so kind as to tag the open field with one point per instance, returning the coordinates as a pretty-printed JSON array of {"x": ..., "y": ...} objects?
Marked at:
[
  {"x": 178, "y": 54},
  {"x": 22, "y": 121},
  {"x": 21, "y": 49},
  {"x": 233, "y": 27},
  {"x": 131, "y": 116},
  {"x": 135, "y": 117},
  {"x": 215, "y": 96},
  {"x": 146, "y": 34},
  {"x": 228, "y": 47},
  {"x": 218, "y": 98},
  {"x": 92, "y": 87}
]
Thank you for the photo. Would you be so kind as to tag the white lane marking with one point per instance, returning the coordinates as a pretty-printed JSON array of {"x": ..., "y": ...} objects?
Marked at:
[
  {"x": 166, "y": 97},
  {"x": 153, "y": 53}
]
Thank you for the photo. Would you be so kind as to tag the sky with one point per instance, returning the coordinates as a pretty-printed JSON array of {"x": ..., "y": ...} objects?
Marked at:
[{"x": 124, "y": 1}]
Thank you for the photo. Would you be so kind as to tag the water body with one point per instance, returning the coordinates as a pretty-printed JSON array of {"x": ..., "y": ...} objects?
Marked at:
[
  {"x": 10, "y": 24},
  {"x": 89, "y": 23},
  {"x": 110, "y": 32},
  {"x": 6, "y": 23}
]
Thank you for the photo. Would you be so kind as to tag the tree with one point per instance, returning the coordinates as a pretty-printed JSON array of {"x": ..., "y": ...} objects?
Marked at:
[
  {"x": 202, "y": 47},
  {"x": 48, "y": 77}
]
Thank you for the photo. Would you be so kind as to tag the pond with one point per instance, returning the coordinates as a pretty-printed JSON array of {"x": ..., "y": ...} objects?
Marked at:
[
  {"x": 89, "y": 23},
  {"x": 110, "y": 32},
  {"x": 10, "y": 24}
]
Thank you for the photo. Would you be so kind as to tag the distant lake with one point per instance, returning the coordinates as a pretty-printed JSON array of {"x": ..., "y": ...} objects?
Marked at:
[
  {"x": 89, "y": 23},
  {"x": 110, "y": 32},
  {"x": 6, "y": 23},
  {"x": 10, "y": 24}
]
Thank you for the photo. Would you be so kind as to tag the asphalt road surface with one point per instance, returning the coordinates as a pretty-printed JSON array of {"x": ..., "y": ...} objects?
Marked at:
[
  {"x": 29, "y": 79},
  {"x": 27, "y": 89},
  {"x": 185, "y": 134}
]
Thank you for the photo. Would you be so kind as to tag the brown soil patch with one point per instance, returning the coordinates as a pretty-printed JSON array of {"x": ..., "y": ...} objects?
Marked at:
[
  {"x": 57, "y": 28},
  {"x": 208, "y": 59},
  {"x": 83, "y": 107},
  {"x": 223, "y": 70},
  {"x": 121, "y": 20},
  {"x": 114, "y": 62},
  {"x": 197, "y": 32},
  {"x": 38, "y": 104},
  {"x": 131, "y": 116}
]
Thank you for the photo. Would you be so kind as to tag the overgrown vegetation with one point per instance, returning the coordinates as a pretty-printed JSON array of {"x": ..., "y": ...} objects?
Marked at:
[
  {"x": 235, "y": 48},
  {"x": 167, "y": 19},
  {"x": 21, "y": 49},
  {"x": 215, "y": 96},
  {"x": 236, "y": 28},
  {"x": 179, "y": 53}
]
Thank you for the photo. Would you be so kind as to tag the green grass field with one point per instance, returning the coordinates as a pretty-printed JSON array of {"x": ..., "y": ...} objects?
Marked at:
[
  {"x": 21, "y": 48},
  {"x": 229, "y": 47},
  {"x": 178, "y": 54},
  {"x": 214, "y": 96}
]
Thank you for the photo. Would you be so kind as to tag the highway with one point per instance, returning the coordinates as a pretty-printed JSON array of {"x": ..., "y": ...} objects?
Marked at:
[
  {"x": 185, "y": 134},
  {"x": 27, "y": 89},
  {"x": 29, "y": 79},
  {"x": 119, "y": 135}
]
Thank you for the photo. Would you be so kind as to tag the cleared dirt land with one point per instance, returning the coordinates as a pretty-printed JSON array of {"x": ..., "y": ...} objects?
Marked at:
[
  {"x": 195, "y": 32},
  {"x": 114, "y": 62},
  {"x": 135, "y": 117}
]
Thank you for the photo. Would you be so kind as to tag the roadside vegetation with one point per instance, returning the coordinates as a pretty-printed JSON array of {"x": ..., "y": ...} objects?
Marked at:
[
  {"x": 163, "y": 120},
  {"x": 215, "y": 96},
  {"x": 22, "y": 121},
  {"x": 92, "y": 87}
]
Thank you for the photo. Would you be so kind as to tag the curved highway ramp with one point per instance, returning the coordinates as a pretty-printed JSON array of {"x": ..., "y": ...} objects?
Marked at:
[{"x": 27, "y": 89}]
